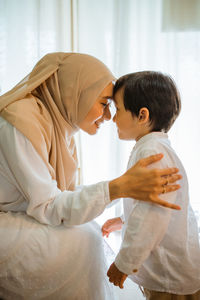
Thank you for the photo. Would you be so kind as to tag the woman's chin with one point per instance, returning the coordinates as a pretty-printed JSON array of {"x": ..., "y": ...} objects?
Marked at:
[{"x": 92, "y": 133}]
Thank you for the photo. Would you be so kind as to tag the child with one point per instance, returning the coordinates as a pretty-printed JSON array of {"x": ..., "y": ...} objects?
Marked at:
[{"x": 160, "y": 249}]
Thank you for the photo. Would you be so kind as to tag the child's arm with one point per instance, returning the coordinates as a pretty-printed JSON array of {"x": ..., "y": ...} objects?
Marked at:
[
  {"x": 111, "y": 225},
  {"x": 146, "y": 228},
  {"x": 147, "y": 225}
]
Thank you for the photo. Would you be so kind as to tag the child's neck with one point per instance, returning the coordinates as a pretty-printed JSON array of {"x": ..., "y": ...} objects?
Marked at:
[{"x": 144, "y": 133}]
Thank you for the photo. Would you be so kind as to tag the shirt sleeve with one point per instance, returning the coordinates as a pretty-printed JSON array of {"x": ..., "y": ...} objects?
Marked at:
[
  {"x": 45, "y": 202},
  {"x": 146, "y": 227}
]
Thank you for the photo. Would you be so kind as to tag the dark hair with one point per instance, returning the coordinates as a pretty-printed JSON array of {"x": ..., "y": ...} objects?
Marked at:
[{"x": 153, "y": 90}]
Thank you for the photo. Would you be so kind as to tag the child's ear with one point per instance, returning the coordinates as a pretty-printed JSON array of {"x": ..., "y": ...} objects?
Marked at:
[{"x": 143, "y": 115}]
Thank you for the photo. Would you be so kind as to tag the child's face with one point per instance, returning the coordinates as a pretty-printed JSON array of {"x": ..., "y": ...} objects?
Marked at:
[{"x": 129, "y": 127}]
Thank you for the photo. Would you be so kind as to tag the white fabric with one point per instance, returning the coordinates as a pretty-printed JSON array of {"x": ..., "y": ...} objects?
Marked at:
[
  {"x": 161, "y": 243},
  {"x": 42, "y": 261}
]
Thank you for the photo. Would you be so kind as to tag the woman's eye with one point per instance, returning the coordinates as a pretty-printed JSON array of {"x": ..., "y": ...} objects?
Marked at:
[{"x": 105, "y": 104}]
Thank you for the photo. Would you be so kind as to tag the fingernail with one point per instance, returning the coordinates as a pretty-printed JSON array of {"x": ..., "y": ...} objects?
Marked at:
[{"x": 177, "y": 207}]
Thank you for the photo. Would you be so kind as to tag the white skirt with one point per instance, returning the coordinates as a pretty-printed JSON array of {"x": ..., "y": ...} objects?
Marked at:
[{"x": 43, "y": 262}]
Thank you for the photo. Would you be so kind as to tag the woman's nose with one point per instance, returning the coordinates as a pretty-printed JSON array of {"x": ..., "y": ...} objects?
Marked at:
[{"x": 107, "y": 114}]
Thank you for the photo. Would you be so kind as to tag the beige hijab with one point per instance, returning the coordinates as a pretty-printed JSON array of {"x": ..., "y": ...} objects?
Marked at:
[{"x": 49, "y": 103}]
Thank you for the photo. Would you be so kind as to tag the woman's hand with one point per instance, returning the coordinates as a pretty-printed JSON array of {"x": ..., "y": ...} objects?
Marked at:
[
  {"x": 116, "y": 276},
  {"x": 146, "y": 184},
  {"x": 111, "y": 225}
]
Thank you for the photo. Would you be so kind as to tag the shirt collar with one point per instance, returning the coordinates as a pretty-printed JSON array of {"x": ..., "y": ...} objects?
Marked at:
[{"x": 151, "y": 135}]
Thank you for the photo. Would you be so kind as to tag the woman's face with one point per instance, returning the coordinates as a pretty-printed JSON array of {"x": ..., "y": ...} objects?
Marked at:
[{"x": 99, "y": 112}]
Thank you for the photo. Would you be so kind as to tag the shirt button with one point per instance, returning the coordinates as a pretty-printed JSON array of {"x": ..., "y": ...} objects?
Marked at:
[{"x": 135, "y": 270}]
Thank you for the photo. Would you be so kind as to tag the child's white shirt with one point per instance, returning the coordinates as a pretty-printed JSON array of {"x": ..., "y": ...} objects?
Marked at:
[{"x": 161, "y": 243}]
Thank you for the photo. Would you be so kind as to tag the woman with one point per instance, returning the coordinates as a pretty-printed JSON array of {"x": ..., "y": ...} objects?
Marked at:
[{"x": 42, "y": 254}]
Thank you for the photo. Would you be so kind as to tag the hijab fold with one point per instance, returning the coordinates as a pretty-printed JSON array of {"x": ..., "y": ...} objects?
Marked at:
[{"x": 48, "y": 105}]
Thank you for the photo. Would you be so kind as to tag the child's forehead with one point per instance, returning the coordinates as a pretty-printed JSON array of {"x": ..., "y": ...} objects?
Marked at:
[
  {"x": 119, "y": 95},
  {"x": 114, "y": 99}
]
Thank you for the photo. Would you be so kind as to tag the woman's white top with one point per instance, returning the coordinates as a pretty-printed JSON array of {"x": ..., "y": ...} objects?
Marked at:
[
  {"x": 42, "y": 255},
  {"x": 26, "y": 185},
  {"x": 161, "y": 243}
]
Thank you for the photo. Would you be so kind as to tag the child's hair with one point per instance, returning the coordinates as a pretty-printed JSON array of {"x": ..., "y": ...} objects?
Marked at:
[{"x": 153, "y": 90}]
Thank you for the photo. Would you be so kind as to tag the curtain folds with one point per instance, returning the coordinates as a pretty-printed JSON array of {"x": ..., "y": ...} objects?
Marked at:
[{"x": 29, "y": 30}]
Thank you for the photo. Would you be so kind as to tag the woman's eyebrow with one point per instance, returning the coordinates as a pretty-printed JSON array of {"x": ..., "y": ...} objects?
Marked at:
[{"x": 107, "y": 97}]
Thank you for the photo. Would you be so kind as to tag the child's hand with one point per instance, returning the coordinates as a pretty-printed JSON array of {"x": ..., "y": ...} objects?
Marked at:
[
  {"x": 111, "y": 225},
  {"x": 116, "y": 276}
]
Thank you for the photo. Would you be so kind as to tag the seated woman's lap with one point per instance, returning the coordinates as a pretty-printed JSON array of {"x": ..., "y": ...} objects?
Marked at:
[{"x": 40, "y": 261}]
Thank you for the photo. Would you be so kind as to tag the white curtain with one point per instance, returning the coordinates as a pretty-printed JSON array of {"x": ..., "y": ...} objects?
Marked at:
[
  {"x": 127, "y": 35},
  {"x": 29, "y": 30}
]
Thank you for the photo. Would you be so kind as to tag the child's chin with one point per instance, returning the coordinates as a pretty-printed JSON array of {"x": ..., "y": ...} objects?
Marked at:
[
  {"x": 121, "y": 137},
  {"x": 125, "y": 138}
]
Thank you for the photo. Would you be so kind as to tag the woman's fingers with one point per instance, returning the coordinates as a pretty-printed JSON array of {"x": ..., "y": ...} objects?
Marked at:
[
  {"x": 170, "y": 179},
  {"x": 144, "y": 162},
  {"x": 171, "y": 188},
  {"x": 167, "y": 172},
  {"x": 147, "y": 184},
  {"x": 167, "y": 204},
  {"x": 166, "y": 188},
  {"x": 164, "y": 203},
  {"x": 160, "y": 172}
]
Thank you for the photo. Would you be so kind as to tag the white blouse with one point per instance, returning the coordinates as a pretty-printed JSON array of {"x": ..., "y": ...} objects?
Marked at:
[
  {"x": 162, "y": 244},
  {"x": 38, "y": 259},
  {"x": 26, "y": 185}
]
